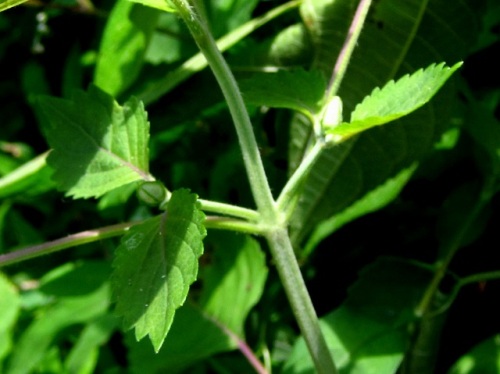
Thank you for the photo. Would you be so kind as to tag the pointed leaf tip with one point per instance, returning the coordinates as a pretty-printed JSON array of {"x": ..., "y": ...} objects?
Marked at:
[
  {"x": 396, "y": 99},
  {"x": 154, "y": 266}
]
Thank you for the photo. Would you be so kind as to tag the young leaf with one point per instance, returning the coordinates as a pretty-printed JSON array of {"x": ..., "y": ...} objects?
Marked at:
[
  {"x": 300, "y": 90},
  {"x": 154, "y": 266},
  {"x": 396, "y": 99},
  {"x": 6, "y": 4},
  {"x": 97, "y": 144},
  {"x": 163, "y": 5}
]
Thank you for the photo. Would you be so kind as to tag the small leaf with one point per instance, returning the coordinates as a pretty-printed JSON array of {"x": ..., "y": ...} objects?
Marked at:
[
  {"x": 154, "y": 266},
  {"x": 97, "y": 144},
  {"x": 299, "y": 89},
  {"x": 396, "y": 99}
]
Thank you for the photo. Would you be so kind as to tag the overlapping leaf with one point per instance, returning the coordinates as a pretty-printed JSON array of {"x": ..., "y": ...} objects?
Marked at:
[
  {"x": 398, "y": 38},
  {"x": 154, "y": 266},
  {"x": 233, "y": 282},
  {"x": 97, "y": 144},
  {"x": 396, "y": 99}
]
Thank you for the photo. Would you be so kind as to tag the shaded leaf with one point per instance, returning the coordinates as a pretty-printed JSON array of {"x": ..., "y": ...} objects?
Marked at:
[
  {"x": 97, "y": 144},
  {"x": 483, "y": 358},
  {"x": 299, "y": 89},
  {"x": 67, "y": 310},
  {"x": 396, "y": 99},
  {"x": 369, "y": 333},
  {"x": 154, "y": 266}
]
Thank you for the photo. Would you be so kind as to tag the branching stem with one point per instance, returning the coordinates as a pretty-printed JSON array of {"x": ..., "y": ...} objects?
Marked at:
[{"x": 70, "y": 241}]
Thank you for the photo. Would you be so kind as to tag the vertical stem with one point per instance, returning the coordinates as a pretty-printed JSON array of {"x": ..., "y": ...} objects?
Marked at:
[
  {"x": 271, "y": 220},
  {"x": 249, "y": 148},
  {"x": 300, "y": 301},
  {"x": 347, "y": 49}
]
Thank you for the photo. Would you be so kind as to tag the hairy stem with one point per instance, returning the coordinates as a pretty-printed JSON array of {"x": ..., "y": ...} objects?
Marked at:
[
  {"x": 347, "y": 49},
  {"x": 271, "y": 218},
  {"x": 70, "y": 241},
  {"x": 292, "y": 187},
  {"x": 251, "y": 156},
  {"x": 298, "y": 296},
  {"x": 229, "y": 210}
]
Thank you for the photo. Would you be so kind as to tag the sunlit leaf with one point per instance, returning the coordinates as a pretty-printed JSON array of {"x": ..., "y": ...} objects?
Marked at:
[
  {"x": 233, "y": 282},
  {"x": 396, "y": 99},
  {"x": 154, "y": 266},
  {"x": 397, "y": 39},
  {"x": 123, "y": 45},
  {"x": 97, "y": 144}
]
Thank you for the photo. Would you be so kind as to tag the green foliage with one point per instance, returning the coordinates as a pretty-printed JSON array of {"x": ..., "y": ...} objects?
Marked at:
[
  {"x": 483, "y": 358},
  {"x": 123, "y": 46},
  {"x": 97, "y": 145},
  {"x": 391, "y": 227},
  {"x": 155, "y": 264},
  {"x": 380, "y": 107}
]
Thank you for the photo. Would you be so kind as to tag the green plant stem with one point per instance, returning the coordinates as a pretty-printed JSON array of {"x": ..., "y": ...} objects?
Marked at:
[
  {"x": 251, "y": 156},
  {"x": 480, "y": 277},
  {"x": 224, "y": 223},
  {"x": 452, "y": 248},
  {"x": 289, "y": 271},
  {"x": 292, "y": 187},
  {"x": 229, "y": 210},
  {"x": 347, "y": 49},
  {"x": 198, "y": 62},
  {"x": 70, "y": 241},
  {"x": 276, "y": 233}
]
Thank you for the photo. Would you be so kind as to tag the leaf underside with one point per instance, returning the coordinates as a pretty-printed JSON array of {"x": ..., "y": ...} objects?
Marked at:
[
  {"x": 97, "y": 145},
  {"x": 155, "y": 264}
]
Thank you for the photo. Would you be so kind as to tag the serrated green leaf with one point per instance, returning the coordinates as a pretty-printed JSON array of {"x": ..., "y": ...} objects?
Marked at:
[
  {"x": 396, "y": 99},
  {"x": 397, "y": 39},
  {"x": 299, "y": 90},
  {"x": 97, "y": 144},
  {"x": 154, "y": 266},
  {"x": 233, "y": 282},
  {"x": 369, "y": 333},
  {"x": 123, "y": 46}
]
